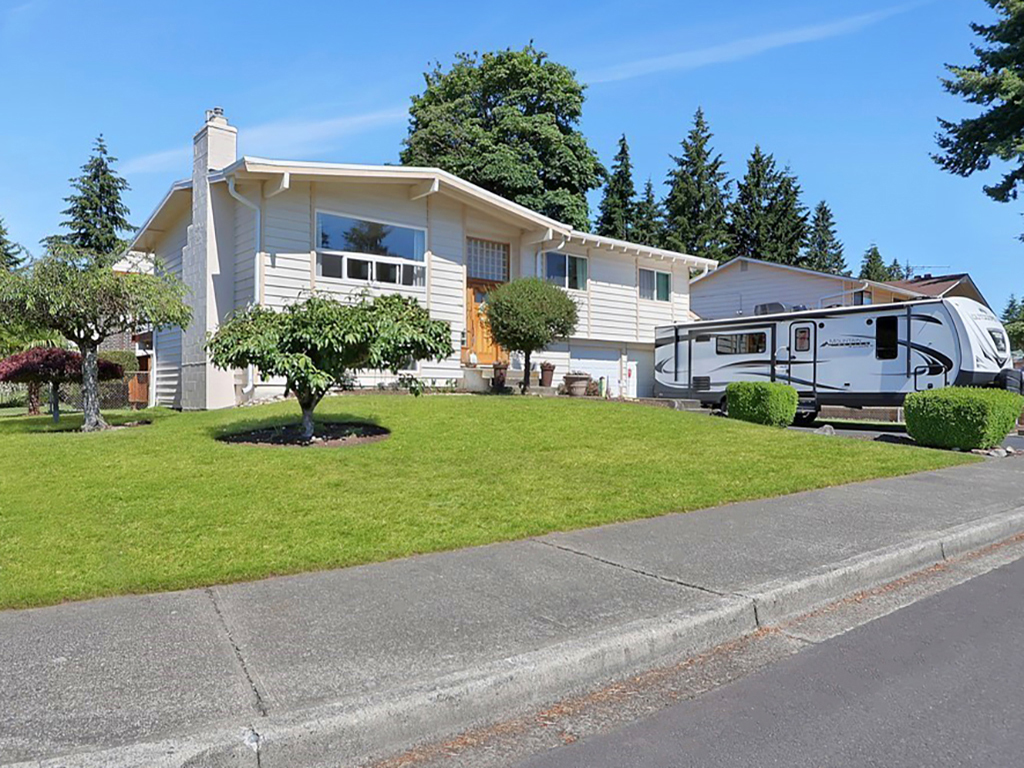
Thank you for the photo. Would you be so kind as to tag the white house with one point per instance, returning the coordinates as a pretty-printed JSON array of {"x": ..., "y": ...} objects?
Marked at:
[
  {"x": 740, "y": 285},
  {"x": 252, "y": 230}
]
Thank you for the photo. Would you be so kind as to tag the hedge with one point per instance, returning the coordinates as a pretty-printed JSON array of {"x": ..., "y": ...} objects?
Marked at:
[
  {"x": 961, "y": 417},
  {"x": 127, "y": 360},
  {"x": 761, "y": 402}
]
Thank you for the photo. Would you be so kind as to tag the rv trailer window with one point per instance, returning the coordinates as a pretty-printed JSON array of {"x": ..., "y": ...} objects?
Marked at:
[
  {"x": 999, "y": 339},
  {"x": 741, "y": 344},
  {"x": 802, "y": 341},
  {"x": 887, "y": 338}
]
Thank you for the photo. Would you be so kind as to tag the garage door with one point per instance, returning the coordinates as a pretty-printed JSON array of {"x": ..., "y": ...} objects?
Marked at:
[{"x": 598, "y": 362}]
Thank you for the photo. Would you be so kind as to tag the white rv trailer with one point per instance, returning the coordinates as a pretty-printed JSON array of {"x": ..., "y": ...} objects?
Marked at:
[{"x": 853, "y": 356}]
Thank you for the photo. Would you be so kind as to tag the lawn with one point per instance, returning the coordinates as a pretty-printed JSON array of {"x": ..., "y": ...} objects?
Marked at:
[{"x": 167, "y": 506}]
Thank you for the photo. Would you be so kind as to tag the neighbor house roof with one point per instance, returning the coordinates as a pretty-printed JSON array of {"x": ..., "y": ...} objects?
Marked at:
[
  {"x": 802, "y": 270},
  {"x": 959, "y": 284},
  {"x": 421, "y": 182}
]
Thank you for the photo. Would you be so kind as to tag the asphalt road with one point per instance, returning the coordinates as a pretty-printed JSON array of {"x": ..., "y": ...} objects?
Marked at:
[{"x": 939, "y": 683}]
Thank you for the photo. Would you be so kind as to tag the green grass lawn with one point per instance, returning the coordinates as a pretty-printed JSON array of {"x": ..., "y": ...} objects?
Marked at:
[{"x": 167, "y": 506}]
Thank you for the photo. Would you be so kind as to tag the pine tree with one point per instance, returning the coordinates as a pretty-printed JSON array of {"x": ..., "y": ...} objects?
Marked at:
[
  {"x": 11, "y": 254},
  {"x": 1014, "y": 311},
  {"x": 618, "y": 207},
  {"x": 698, "y": 197},
  {"x": 96, "y": 214},
  {"x": 648, "y": 224},
  {"x": 767, "y": 220},
  {"x": 896, "y": 271},
  {"x": 873, "y": 267},
  {"x": 824, "y": 250}
]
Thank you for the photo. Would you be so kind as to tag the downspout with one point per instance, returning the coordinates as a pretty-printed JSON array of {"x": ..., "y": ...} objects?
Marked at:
[{"x": 251, "y": 385}]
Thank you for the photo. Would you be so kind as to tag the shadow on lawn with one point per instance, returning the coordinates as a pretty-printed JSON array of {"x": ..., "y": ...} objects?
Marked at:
[
  {"x": 277, "y": 430},
  {"x": 71, "y": 422}
]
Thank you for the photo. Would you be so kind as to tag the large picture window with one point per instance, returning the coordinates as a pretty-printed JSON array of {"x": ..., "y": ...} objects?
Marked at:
[
  {"x": 566, "y": 270},
  {"x": 655, "y": 285},
  {"x": 741, "y": 344},
  {"x": 344, "y": 243}
]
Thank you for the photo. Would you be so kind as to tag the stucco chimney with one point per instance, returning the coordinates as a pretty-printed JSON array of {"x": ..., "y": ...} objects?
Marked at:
[{"x": 207, "y": 278}]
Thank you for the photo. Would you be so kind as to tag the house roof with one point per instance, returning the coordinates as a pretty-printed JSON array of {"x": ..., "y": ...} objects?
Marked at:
[
  {"x": 421, "y": 182},
  {"x": 177, "y": 200},
  {"x": 802, "y": 270},
  {"x": 928, "y": 285}
]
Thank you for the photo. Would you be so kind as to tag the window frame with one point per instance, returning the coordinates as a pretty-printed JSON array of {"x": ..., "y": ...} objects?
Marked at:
[
  {"x": 565, "y": 282},
  {"x": 763, "y": 346},
  {"x": 654, "y": 296},
  {"x": 372, "y": 258}
]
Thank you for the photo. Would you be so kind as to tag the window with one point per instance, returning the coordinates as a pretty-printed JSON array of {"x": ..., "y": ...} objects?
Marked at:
[
  {"x": 487, "y": 260},
  {"x": 802, "y": 340},
  {"x": 344, "y": 240},
  {"x": 566, "y": 271},
  {"x": 887, "y": 338},
  {"x": 742, "y": 344},
  {"x": 862, "y": 297},
  {"x": 655, "y": 286},
  {"x": 999, "y": 339}
]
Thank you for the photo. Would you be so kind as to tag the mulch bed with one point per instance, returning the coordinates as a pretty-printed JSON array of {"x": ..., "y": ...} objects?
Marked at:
[{"x": 336, "y": 434}]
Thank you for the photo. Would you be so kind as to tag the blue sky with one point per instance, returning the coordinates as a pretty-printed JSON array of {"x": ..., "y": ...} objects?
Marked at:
[{"x": 847, "y": 94}]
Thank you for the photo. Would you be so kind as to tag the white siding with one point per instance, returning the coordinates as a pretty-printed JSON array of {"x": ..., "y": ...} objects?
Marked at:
[
  {"x": 245, "y": 248},
  {"x": 613, "y": 297},
  {"x": 733, "y": 291},
  {"x": 167, "y": 342},
  {"x": 446, "y": 279},
  {"x": 287, "y": 242}
]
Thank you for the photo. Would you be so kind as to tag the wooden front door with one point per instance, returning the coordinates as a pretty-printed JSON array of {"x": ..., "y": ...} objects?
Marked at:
[{"x": 478, "y": 336}]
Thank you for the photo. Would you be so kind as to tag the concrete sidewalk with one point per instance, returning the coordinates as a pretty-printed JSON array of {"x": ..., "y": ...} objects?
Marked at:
[{"x": 321, "y": 669}]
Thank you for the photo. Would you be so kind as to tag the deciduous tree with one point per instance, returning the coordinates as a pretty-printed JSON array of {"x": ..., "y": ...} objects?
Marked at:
[
  {"x": 618, "y": 206},
  {"x": 318, "y": 343},
  {"x": 526, "y": 315},
  {"x": 509, "y": 122},
  {"x": 52, "y": 366}
]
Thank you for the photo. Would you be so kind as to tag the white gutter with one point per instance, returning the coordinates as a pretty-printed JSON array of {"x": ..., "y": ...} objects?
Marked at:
[{"x": 256, "y": 262}]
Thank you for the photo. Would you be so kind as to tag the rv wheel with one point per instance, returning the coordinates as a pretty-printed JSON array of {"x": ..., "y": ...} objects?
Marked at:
[{"x": 805, "y": 418}]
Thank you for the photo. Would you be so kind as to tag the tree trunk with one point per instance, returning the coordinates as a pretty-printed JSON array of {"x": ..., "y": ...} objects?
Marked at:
[
  {"x": 526, "y": 372},
  {"x": 307, "y": 422},
  {"x": 33, "y": 398},
  {"x": 91, "y": 389},
  {"x": 55, "y": 401}
]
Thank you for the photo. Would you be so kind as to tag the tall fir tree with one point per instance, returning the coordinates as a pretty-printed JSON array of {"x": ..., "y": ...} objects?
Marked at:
[
  {"x": 11, "y": 254},
  {"x": 97, "y": 216},
  {"x": 618, "y": 206},
  {"x": 896, "y": 271},
  {"x": 824, "y": 250},
  {"x": 767, "y": 219},
  {"x": 873, "y": 267},
  {"x": 696, "y": 206},
  {"x": 1014, "y": 311},
  {"x": 648, "y": 224}
]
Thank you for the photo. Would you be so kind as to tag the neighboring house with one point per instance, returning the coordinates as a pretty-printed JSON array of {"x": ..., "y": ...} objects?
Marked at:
[
  {"x": 740, "y": 285},
  {"x": 942, "y": 286},
  {"x": 252, "y": 230}
]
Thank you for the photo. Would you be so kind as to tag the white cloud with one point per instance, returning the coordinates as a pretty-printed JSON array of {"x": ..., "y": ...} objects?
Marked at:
[
  {"x": 282, "y": 138},
  {"x": 744, "y": 48}
]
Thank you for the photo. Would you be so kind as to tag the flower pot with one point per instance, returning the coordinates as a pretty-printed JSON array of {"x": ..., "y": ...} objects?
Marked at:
[
  {"x": 547, "y": 373},
  {"x": 498, "y": 380},
  {"x": 576, "y": 385}
]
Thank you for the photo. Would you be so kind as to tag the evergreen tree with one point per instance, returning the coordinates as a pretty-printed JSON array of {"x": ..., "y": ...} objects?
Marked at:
[
  {"x": 873, "y": 267},
  {"x": 896, "y": 271},
  {"x": 994, "y": 83},
  {"x": 11, "y": 254},
  {"x": 509, "y": 122},
  {"x": 618, "y": 207},
  {"x": 767, "y": 219},
  {"x": 1014, "y": 311},
  {"x": 698, "y": 197},
  {"x": 96, "y": 214},
  {"x": 648, "y": 224},
  {"x": 824, "y": 250}
]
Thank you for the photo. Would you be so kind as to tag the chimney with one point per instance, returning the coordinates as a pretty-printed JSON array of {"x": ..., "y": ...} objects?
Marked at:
[{"x": 207, "y": 279}]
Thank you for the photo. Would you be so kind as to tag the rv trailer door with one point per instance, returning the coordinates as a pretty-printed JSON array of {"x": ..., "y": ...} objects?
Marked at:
[{"x": 802, "y": 365}]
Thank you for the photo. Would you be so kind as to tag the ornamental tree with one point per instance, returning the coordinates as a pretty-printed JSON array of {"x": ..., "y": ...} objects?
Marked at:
[
  {"x": 318, "y": 343},
  {"x": 526, "y": 315},
  {"x": 77, "y": 295},
  {"x": 53, "y": 366}
]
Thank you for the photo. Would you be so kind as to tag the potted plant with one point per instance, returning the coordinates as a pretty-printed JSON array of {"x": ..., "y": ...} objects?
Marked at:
[
  {"x": 576, "y": 383},
  {"x": 547, "y": 373}
]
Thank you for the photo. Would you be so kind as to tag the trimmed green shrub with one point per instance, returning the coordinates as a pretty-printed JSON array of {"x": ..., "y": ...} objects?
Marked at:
[
  {"x": 126, "y": 359},
  {"x": 762, "y": 402},
  {"x": 961, "y": 417}
]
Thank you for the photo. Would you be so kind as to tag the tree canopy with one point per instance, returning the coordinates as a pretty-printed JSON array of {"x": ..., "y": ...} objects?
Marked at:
[
  {"x": 994, "y": 83},
  {"x": 767, "y": 221},
  {"x": 648, "y": 224},
  {"x": 316, "y": 344},
  {"x": 824, "y": 249},
  {"x": 527, "y": 314},
  {"x": 12, "y": 255},
  {"x": 509, "y": 122},
  {"x": 616, "y": 217},
  {"x": 96, "y": 214},
  {"x": 873, "y": 266},
  {"x": 53, "y": 366},
  {"x": 697, "y": 203}
]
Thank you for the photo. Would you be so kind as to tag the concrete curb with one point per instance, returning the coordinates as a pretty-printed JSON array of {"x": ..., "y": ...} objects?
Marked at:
[{"x": 344, "y": 732}]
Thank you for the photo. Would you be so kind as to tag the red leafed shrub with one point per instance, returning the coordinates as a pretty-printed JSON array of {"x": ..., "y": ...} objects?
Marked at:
[{"x": 51, "y": 365}]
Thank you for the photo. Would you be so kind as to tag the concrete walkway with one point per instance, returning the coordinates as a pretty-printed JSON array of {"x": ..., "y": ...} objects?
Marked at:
[{"x": 321, "y": 668}]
